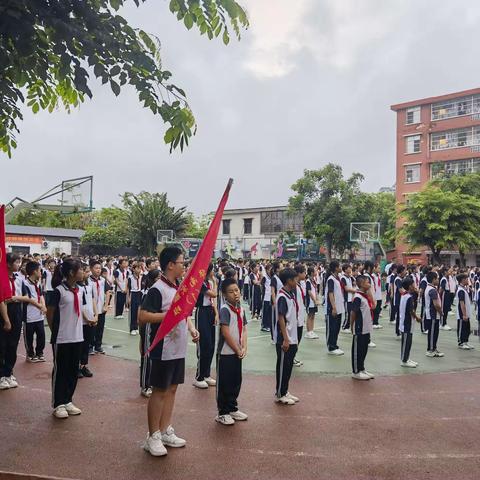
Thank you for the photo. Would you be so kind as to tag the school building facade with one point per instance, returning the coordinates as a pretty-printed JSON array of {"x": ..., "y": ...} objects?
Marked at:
[
  {"x": 435, "y": 136},
  {"x": 254, "y": 232},
  {"x": 53, "y": 241}
]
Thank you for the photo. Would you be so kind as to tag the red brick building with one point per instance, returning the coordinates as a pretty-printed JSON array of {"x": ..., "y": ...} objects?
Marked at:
[{"x": 435, "y": 135}]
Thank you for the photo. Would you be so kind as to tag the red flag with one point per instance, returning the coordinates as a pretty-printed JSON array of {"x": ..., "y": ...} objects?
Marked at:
[
  {"x": 5, "y": 289},
  {"x": 189, "y": 289}
]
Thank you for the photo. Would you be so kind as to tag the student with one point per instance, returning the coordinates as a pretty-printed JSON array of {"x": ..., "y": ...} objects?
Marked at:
[
  {"x": 432, "y": 313},
  {"x": 240, "y": 274},
  {"x": 90, "y": 319},
  {"x": 335, "y": 308},
  {"x": 267, "y": 300},
  {"x": 398, "y": 291},
  {"x": 286, "y": 335},
  {"x": 361, "y": 320},
  {"x": 168, "y": 357},
  {"x": 47, "y": 279},
  {"x": 231, "y": 350},
  {"x": 255, "y": 292},
  {"x": 348, "y": 293},
  {"x": 34, "y": 316},
  {"x": 446, "y": 297},
  {"x": 421, "y": 294},
  {"x": 312, "y": 302},
  {"x": 64, "y": 316},
  {"x": 206, "y": 318},
  {"x": 134, "y": 296},
  {"x": 101, "y": 297},
  {"x": 120, "y": 282},
  {"x": 145, "y": 390},
  {"x": 300, "y": 295},
  {"x": 407, "y": 316},
  {"x": 377, "y": 296},
  {"x": 275, "y": 286},
  {"x": 246, "y": 285},
  {"x": 464, "y": 312}
]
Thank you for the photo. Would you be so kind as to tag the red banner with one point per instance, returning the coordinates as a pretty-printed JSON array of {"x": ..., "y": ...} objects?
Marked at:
[
  {"x": 188, "y": 291},
  {"x": 5, "y": 290}
]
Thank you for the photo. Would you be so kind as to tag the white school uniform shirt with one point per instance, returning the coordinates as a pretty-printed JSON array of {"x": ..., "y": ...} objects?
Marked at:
[
  {"x": 33, "y": 314},
  {"x": 452, "y": 283},
  {"x": 301, "y": 296},
  {"x": 428, "y": 300},
  {"x": 349, "y": 284},
  {"x": 267, "y": 296},
  {"x": 87, "y": 308},
  {"x": 338, "y": 293},
  {"x": 377, "y": 282},
  {"x": 48, "y": 280},
  {"x": 468, "y": 305},
  {"x": 67, "y": 325},
  {"x": 98, "y": 289},
  {"x": 403, "y": 312},
  {"x": 122, "y": 278},
  {"x": 367, "y": 321},
  {"x": 291, "y": 318}
]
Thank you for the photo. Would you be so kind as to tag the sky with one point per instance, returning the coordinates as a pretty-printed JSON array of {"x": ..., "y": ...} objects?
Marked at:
[{"x": 310, "y": 82}]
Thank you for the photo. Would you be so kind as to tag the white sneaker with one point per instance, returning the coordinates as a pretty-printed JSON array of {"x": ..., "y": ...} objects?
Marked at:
[
  {"x": 154, "y": 445},
  {"x": 336, "y": 352},
  {"x": 439, "y": 354},
  {"x": 72, "y": 409},
  {"x": 118, "y": 317},
  {"x": 169, "y": 439},
  {"x": 408, "y": 364},
  {"x": 346, "y": 331},
  {"x": 430, "y": 354},
  {"x": 211, "y": 382},
  {"x": 377, "y": 327},
  {"x": 202, "y": 384},
  {"x": 146, "y": 392},
  {"x": 311, "y": 335},
  {"x": 425, "y": 332},
  {"x": 371, "y": 345},
  {"x": 464, "y": 346},
  {"x": 292, "y": 397},
  {"x": 239, "y": 416},
  {"x": 445, "y": 327},
  {"x": 133, "y": 332},
  {"x": 60, "y": 412},
  {"x": 225, "y": 419},
  {"x": 297, "y": 363},
  {"x": 469, "y": 346},
  {"x": 4, "y": 383},
  {"x": 360, "y": 376},
  {"x": 371, "y": 375},
  {"x": 273, "y": 342},
  {"x": 12, "y": 381},
  {"x": 285, "y": 400},
  {"x": 413, "y": 361}
]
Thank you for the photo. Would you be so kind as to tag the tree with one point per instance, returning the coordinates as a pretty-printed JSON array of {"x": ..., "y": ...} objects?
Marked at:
[
  {"x": 328, "y": 203},
  {"x": 108, "y": 230},
  {"x": 149, "y": 212},
  {"x": 48, "y": 48},
  {"x": 51, "y": 219},
  {"x": 197, "y": 227},
  {"x": 442, "y": 219},
  {"x": 380, "y": 207}
]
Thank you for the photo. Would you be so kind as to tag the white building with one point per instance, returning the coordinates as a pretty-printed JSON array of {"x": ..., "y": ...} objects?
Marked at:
[{"x": 253, "y": 232}]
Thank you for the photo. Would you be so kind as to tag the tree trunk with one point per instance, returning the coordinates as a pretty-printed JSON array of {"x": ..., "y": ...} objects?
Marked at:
[
  {"x": 463, "y": 260},
  {"x": 436, "y": 255}
]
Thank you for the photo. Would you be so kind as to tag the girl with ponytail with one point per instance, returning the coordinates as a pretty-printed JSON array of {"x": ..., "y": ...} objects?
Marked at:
[{"x": 64, "y": 316}]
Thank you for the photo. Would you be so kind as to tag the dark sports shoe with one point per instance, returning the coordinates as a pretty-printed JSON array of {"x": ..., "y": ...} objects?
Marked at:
[
  {"x": 85, "y": 371},
  {"x": 91, "y": 351},
  {"x": 79, "y": 374},
  {"x": 100, "y": 350}
]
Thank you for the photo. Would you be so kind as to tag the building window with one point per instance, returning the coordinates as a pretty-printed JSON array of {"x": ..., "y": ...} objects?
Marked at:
[
  {"x": 455, "y": 167},
  {"x": 412, "y": 174},
  {"x": 413, "y": 115},
  {"x": 247, "y": 225},
  {"x": 412, "y": 144},
  {"x": 279, "y": 221},
  {"x": 456, "y": 107},
  {"x": 462, "y": 137},
  {"x": 226, "y": 227}
]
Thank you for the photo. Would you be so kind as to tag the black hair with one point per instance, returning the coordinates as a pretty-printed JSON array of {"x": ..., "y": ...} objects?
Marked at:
[
  {"x": 392, "y": 268},
  {"x": 345, "y": 267},
  {"x": 362, "y": 278},
  {"x": 310, "y": 270},
  {"x": 431, "y": 276},
  {"x": 226, "y": 283},
  {"x": 461, "y": 277},
  {"x": 230, "y": 273},
  {"x": 149, "y": 261},
  {"x": 31, "y": 267},
  {"x": 400, "y": 268},
  {"x": 104, "y": 270},
  {"x": 299, "y": 268},
  {"x": 63, "y": 270},
  {"x": 152, "y": 277},
  {"x": 287, "y": 274},
  {"x": 407, "y": 281},
  {"x": 12, "y": 258},
  {"x": 94, "y": 262},
  {"x": 275, "y": 267},
  {"x": 167, "y": 255},
  {"x": 368, "y": 266}
]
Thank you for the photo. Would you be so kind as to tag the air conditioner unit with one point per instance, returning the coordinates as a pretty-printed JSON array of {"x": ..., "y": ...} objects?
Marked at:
[{"x": 44, "y": 244}]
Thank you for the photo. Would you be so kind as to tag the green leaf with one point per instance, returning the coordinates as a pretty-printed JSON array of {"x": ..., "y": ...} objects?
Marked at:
[
  {"x": 115, "y": 87},
  {"x": 115, "y": 70},
  {"x": 226, "y": 38},
  {"x": 35, "y": 107},
  {"x": 188, "y": 21}
]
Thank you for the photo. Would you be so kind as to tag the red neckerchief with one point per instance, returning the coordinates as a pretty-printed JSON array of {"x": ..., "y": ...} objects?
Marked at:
[
  {"x": 97, "y": 283},
  {"x": 238, "y": 312},
  {"x": 367, "y": 298},
  {"x": 12, "y": 283},
  {"x": 341, "y": 284},
  {"x": 168, "y": 282},
  {"x": 76, "y": 303},
  {"x": 123, "y": 274},
  {"x": 37, "y": 290},
  {"x": 293, "y": 297}
]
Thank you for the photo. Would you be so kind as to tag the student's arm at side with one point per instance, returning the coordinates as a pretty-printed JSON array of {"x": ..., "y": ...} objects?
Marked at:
[
  {"x": 215, "y": 309},
  {"x": 50, "y": 313},
  {"x": 43, "y": 307},
  {"x": 149, "y": 317},
  {"x": 464, "y": 310},
  {"x": 230, "y": 340},
  {"x": 193, "y": 331},
  {"x": 437, "y": 305},
  {"x": 283, "y": 328},
  {"x": 331, "y": 297},
  {"x": 7, "y": 326},
  {"x": 211, "y": 293},
  {"x": 353, "y": 317}
]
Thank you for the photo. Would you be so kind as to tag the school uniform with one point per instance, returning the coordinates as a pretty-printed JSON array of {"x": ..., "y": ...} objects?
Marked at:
[
  {"x": 9, "y": 340},
  {"x": 246, "y": 286},
  {"x": 88, "y": 330},
  {"x": 463, "y": 322},
  {"x": 422, "y": 287},
  {"x": 168, "y": 357},
  {"x": 120, "y": 296},
  {"x": 377, "y": 297},
  {"x": 47, "y": 283},
  {"x": 334, "y": 322},
  {"x": 240, "y": 277},
  {"x": 135, "y": 288},
  {"x": 275, "y": 284},
  {"x": 255, "y": 294},
  {"x": 229, "y": 366},
  {"x": 66, "y": 340},
  {"x": 144, "y": 345},
  {"x": 347, "y": 282},
  {"x": 301, "y": 296},
  {"x": 205, "y": 324},
  {"x": 34, "y": 320},
  {"x": 287, "y": 306},
  {"x": 100, "y": 287},
  {"x": 397, "y": 285},
  {"x": 362, "y": 330},
  {"x": 431, "y": 321},
  {"x": 446, "y": 299},
  {"x": 267, "y": 302},
  {"x": 406, "y": 324}
]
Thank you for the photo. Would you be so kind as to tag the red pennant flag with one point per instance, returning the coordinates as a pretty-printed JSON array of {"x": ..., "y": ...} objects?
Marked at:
[
  {"x": 5, "y": 289},
  {"x": 188, "y": 291}
]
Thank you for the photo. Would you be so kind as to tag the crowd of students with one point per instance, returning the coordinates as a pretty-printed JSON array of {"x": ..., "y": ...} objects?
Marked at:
[{"x": 73, "y": 295}]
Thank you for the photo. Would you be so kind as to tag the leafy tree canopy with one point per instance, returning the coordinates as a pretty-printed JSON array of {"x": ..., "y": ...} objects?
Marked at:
[{"x": 49, "y": 48}]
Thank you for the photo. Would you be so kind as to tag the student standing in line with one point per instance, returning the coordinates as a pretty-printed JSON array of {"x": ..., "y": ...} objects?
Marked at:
[
  {"x": 335, "y": 308},
  {"x": 361, "y": 321},
  {"x": 377, "y": 296},
  {"x": 432, "y": 313},
  {"x": 348, "y": 292},
  {"x": 240, "y": 274},
  {"x": 134, "y": 296},
  {"x": 286, "y": 335},
  {"x": 206, "y": 319},
  {"x": 398, "y": 291},
  {"x": 101, "y": 297},
  {"x": 47, "y": 274},
  {"x": 275, "y": 286},
  {"x": 64, "y": 316},
  {"x": 421, "y": 294},
  {"x": 464, "y": 312},
  {"x": 446, "y": 297},
  {"x": 301, "y": 296},
  {"x": 312, "y": 302},
  {"x": 267, "y": 300},
  {"x": 255, "y": 292},
  {"x": 90, "y": 319},
  {"x": 231, "y": 350},
  {"x": 33, "y": 316},
  {"x": 120, "y": 281},
  {"x": 407, "y": 317}
]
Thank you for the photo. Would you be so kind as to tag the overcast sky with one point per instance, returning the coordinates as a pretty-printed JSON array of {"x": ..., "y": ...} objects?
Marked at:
[{"x": 310, "y": 82}]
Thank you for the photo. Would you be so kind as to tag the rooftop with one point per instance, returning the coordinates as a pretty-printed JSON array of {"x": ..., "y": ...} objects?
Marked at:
[
  {"x": 426, "y": 101},
  {"x": 234, "y": 211},
  {"x": 44, "y": 231}
]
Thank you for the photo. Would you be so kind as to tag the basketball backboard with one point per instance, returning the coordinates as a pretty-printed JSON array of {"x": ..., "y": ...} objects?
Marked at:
[
  {"x": 365, "y": 232},
  {"x": 164, "y": 236}
]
